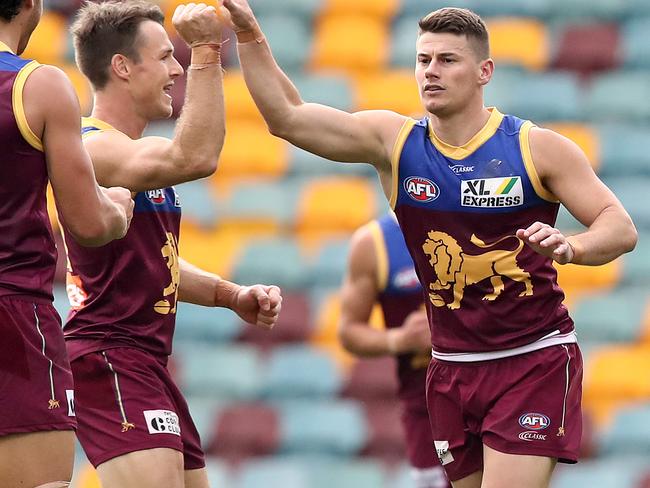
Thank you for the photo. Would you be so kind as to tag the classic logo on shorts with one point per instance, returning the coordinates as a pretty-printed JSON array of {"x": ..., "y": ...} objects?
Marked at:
[
  {"x": 156, "y": 196},
  {"x": 530, "y": 436},
  {"x": 442, "y": 449},
  {"x": 421, "y": 189},
  {"x": 534, "y": 421},
  {"x": 162, "y": 422},
  {"x": 492, "y": 192}
]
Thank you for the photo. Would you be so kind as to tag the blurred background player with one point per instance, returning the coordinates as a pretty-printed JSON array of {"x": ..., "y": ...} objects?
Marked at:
[
  {"x": 39, "y": 136},
  {"x": 482, "y": 237},
  {"x": 380, "y": 269},
  {"x": 134, "y": 423}
]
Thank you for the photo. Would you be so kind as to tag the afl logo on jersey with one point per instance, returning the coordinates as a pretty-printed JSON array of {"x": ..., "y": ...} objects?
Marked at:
[
  {"x": 421, "y": 189},
  {"x": 534, "y": 421},
  {"x": 156, "y": 196}
]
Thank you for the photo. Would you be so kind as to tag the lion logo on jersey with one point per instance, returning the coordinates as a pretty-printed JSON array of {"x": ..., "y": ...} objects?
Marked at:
[
  {"x": 170, "y": 253},
  {"x": 453, "y": 267}
]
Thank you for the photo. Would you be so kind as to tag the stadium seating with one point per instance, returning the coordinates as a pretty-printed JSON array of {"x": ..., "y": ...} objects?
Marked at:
[{"x": 587, "y": 48}]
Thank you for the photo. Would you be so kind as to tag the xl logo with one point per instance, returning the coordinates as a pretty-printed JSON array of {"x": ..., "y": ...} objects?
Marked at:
[
  {"x": 421, "y": 189},
  {"x": 492, "y": 192},
  {"x": 534, "y": 421}
]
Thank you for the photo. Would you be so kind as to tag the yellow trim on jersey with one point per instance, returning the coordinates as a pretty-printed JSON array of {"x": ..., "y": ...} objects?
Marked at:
[
  {"x": 19, "y": 108},
  {"x": 526, "y": 155},
  {"x": 394, "y": 159},
  {"x": 477, "y": 140},
  {"x": 93, "y": 122},
  {"x": 5, "y": 49},
  {"x": 381, "y": 253}
]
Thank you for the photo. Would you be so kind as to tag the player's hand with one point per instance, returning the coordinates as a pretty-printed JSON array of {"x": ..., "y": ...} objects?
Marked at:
[
  {"x": 414, "y": 334},
  {"x": 258, "y": 304},
  {"x": 547, "y": 241},
  {"x": 238, "y": 15},
  {"x": 122, "y": 198},
  {"x": 197, "y": 22}
]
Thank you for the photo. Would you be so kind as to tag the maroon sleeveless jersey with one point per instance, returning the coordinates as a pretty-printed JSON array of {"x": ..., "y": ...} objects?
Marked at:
[
  {"x": 27, "y": 249},
  {"x": 459, "y": 209},
  {"x": 400, "y": 294},
  {"x": 124, "y": 293}
]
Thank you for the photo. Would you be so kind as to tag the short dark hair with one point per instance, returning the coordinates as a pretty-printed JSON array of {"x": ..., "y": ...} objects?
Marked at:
[
  {"x": 9, "y": 9},
  {"x": 459, "y": 21},
  {"x": 102, "y": 30}
]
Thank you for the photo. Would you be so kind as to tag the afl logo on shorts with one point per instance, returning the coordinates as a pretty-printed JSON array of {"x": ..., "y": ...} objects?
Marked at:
[
  {"x": 156, "y": 196},
  {"x": 534, "y": 421},
  {"x": 421, "y": 189}
]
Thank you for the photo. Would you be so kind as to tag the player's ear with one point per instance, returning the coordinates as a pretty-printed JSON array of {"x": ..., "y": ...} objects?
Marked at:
[
  {"x": 120, "y": 66},
  {"x": 486, "y": 70}
]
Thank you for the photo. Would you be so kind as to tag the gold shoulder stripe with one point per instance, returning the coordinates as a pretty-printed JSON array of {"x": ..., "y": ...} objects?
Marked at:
[
  {"x": 381, "y": 253},
  {"x": 395, "y": 157},
  {"x": 524, "y": 143},
  {"x": 19, "y": 108},
  {"x": 93, "y": 122}
]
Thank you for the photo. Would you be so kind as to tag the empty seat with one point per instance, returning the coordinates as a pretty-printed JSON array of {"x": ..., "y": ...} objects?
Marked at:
[
  {"x": 218, "y": 473},
  {"x": 586, "y": 48},
  {"x": 215, "y": 251},
  {"x": 381, "y": 9},
  {"x": 240, "y": 104},
  {"x": 372, "y": 378},
  {"x": 625, "y": 150},
  {"x": 617, "y": 472},
  {"x": 585, "y": 136},
  {"x": 636, "y": 38},
  {"x": 243, "y": 431},
  {"x": 307, "y": 9},
  {"x": 346, "y": 473},
  {"x": 81, "y": 86},
  {"x": 290, "y": 39},
  {"x": 231, "y": 371},
  {"x": 611, "y": 317},
  {"x": 48, "y": 42},
  {"x": 329, "y": 89},
  {"x": 580, "y": 9},
  {"x": 631, "y": 191},
  {"x": 271, "y": 261},
  {"x": 300, "y": 371},
  {"x": 329, "y": 427},
  {"x": 592, "y": 278},
  {"x": 629, "y": 433},
  {"x": 278, "y": 471},
  {"x": 303, "y": 163},
  {"x": 294, "y": 323},
  {"x": 392, "y": 90},
  {"x": 330, "y": 262},
  {"x": 386, "y": 438},
  {"x": 519, "y": 41},
  {"x": 352, "y": 44},
  {"x": 198, "y": 202},
  {"x": 197, "y": 323},
  {"x": 403, "y": 39},
  {"x": 636, "y": 265},
  {"x": 615, "y": 97}
]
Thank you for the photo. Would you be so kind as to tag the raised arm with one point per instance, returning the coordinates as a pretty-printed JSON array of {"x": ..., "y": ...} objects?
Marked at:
[
  {"x": 92, "y": 215},
  {"x": 333, "y": 134},
  {"x": 566, "y": 173},
  {"x": 193, "y": 152},
  {"x": 258, "y": 304},
  {"x": 359, "y": 294}
]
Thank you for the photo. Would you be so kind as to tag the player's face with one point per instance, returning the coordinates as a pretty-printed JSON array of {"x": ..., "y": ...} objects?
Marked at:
[
  {"x": 34, "y": 17},
  {"x": 153, "y": 77},
  {"x": 448, "y": 72}
]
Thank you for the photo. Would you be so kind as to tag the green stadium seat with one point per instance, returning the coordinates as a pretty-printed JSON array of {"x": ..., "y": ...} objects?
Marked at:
[
  {"x": 290, "y": 39},
  {"x": 300, "y": 371},
  {"x": 218, "y": 473},
  {"x": 580, "y": 9},
  {"x": 548, "y": 96},
  {"x": 619, "y": 96},
  {"x": 273, "y": 472},
  {"x": 636, "y": 265},
  {"x": 611, "y": 317},
  {"x": 617, "y": 472},
  {"x": 326, "y": 427},
  {"x": 330, "y": 263},
  {"x": 303, "y": 163},
  {"x": 404, "y": 36},
  {"x": 307, "y": 9},
  {"x": 197, "y": 323},
  {"x": 197, "y": 202},
  {"x": 328, "y": 473},
  {"x": 632, "y": 193},
  {"x": 629, "y": 433},
  {"x": 203, "y": 411},
  {"x": 271, "y": 261},
  {"x": 219, "y": 372},
  {"x": 636, "y": 39},
  {"x": 624, "y": 150},
  {"x": 332, "y": 90}
]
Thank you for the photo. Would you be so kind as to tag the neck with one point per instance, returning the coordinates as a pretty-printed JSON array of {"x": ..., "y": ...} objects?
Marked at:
[
  {"x": 458, "y": 128},
  {"x": 10, "y": 35},
  {"x": 117, "y": 110}
]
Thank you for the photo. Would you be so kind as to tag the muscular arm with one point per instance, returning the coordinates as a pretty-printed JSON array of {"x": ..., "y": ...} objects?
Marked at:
[
  {"x": 86, "y": 212},
  {"x": 333, "y": 134},
  {"x": 565, "y": 171}
]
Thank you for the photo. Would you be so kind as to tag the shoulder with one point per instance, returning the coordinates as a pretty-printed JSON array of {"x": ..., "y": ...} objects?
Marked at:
[
  {"x": 548, "y": 148},
  {"x": 50, "y": 87}
]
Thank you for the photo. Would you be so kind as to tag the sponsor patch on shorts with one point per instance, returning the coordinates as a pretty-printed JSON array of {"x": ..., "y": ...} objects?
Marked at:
[
  {"x": 162, "y": 422},
  {"x": 442, "y": 449}
]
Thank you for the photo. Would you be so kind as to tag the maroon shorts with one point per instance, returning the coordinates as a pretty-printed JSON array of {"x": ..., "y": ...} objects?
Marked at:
[
  {"x": 527, "y": 404},
  {"x": 36, "y": 389},
  {"x": 126, "y": 401}
]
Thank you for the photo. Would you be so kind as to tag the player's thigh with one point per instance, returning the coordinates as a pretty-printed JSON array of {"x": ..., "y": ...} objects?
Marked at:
[
  {"x": 36, "y": 458},
  {"x": 197, "y": 478},
  {"x": 501, "y": 469},
  {"x": 471, "y": 481},
  {"x": 149, "y": 468}
]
